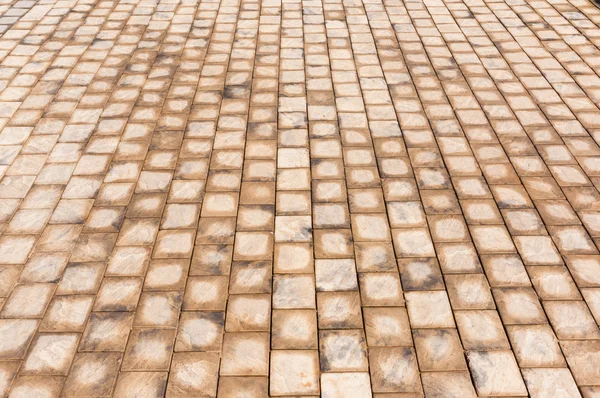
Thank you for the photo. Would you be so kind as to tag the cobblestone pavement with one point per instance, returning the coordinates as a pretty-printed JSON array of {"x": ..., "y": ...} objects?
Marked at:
[{"x": 344, "y": 198}]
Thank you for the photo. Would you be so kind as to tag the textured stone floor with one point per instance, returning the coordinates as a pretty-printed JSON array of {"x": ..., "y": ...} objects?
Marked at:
[{"x": 345, "y": 198}]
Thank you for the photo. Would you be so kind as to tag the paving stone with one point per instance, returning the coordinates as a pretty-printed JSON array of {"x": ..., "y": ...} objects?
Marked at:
[{"x": 299, "y": 198}]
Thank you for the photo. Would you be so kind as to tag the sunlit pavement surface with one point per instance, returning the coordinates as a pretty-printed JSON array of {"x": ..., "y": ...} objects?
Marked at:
[{"x": 337, "y": 198}]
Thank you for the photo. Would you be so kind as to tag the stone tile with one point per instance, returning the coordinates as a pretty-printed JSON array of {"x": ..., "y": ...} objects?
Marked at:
[
  {"x": 15, "y": 249},
  {"x": 200, "y": 331},
  {"x": 252, "y": 387},
  {"x": 374, "y": 257},
  {"x": 413, "y": 242},
  {"x": 93, "y": 247},
  {"x": 67, "y": 314},
  {"x": 28, "y": 300},
  {"x": 429, "y": 310},
  {"x": 342, "y": 350},
  {"x": 333, "y": 243},
  {"x": 106, "y": 331},
  {"x": 253, "y": 246},
  {"x": 535, "y": 346},
  {"x": 8, "y": 371},
  {"x": 387, "y": 327},
  {"x": 519, "y": 306},
  {"x": 174, "y": 244},
  {"x": 447, "y": 384},
  {"x": 339, "y": 310},
  {"x": 50, "y": 354},
  {"x": 542, "y": 382},
  {"x": 582, "y": 269},
  {"x": 380, "y": 289},
  {"x": 118, "y": 294},
  {"x": 293, "y": 229},
  {"x": 245, "y": 354},
  {"x": 293, "y": 291},
  {"x": 46, "y": 386},
  {"x": 129, "y": 261},
  {"x": 251, "y": 277},
  {"x": 335, "y": 275},
  {"x": 92, "y": 374},
  {"x": 439, "y": 350},
  {"x": 553, "y": 283},
  {"x": 571, "y": 320},
  {"x": 291, "y": 258},
  {"x": 496, "y": 373},
  {"x": 15, "y": 337},
  {"x": 44, "y": 267},
  {"x": 206, "y": 293},
  {"x": 294, "y": 329},
  {"x": 469, "y": 291},
  {"x": 294, "y": 372},
  {"x": 353, "y": 384},
  {"x": 246, "y": 313},
  {"x": 458, "y": 258},
  {"x": 148, "y": 384},
  {"x": 148, "y": 349},
  {"x": 505, "y": 271},
  {"x": 211, "y": 260},
  {"x": 193, "y": 373},
  {"x": 81, "y": 278},
  {"x": 394, "y": 370},
  {"x": 158, "y": 309},
  {"x": 481, "y": 330},
  {"x": 582, "y": 357}
]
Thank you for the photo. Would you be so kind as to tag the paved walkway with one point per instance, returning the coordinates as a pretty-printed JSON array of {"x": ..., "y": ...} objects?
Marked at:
[{"x": 345, "y": 198}]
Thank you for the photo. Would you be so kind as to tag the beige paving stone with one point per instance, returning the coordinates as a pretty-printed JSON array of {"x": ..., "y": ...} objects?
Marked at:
[
  {"x": 206, "y": 293},
  {"x": 200, "y": 331},
  {"x": 294, "y": 329},
  {"x": 429, "y": 310},
  {"x": 394, "y": 370},
  {"x": 571, "y": 320},
  {"x": 439, "y": 350},
  {"x": 519, "y": 306},
  {"x": 67, "y": 314},
  {"x": 149, "y": 349},
  {"x": 345, "y": 385},
  {"x": 294, "y": 372},
  {"x": 28, "y": 300},
  {"x": 293, "y": 291},
  {"x": 245, "y": 354},
  {"x": 50, "y": 354},
  {"x": 106, "y": 331},
  {"x": 150, "y": 384},
  {"x": 550, "y": 381},
  {"x": 158, "y": 309},
  {"x": 481, "y": 330},
  {"x": 448, "y": 384},
  {"x": 496, "y": 373},
  {"x": 247, "y": 313},
  {"x": 16, "y": 337},
  {"x": 380, "y": 289},
  {"x": 535, "y": 346},
  {"x": 339, "y": 310},
  {"x": 92, "y": 374},
  {"x": 342, "y": 351},
  {"x": 8, "y": 371},
  {"x": 49, "y": 386},
  {"x": 251, "y": 277},
  {"x": 193, "y": 373}
]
